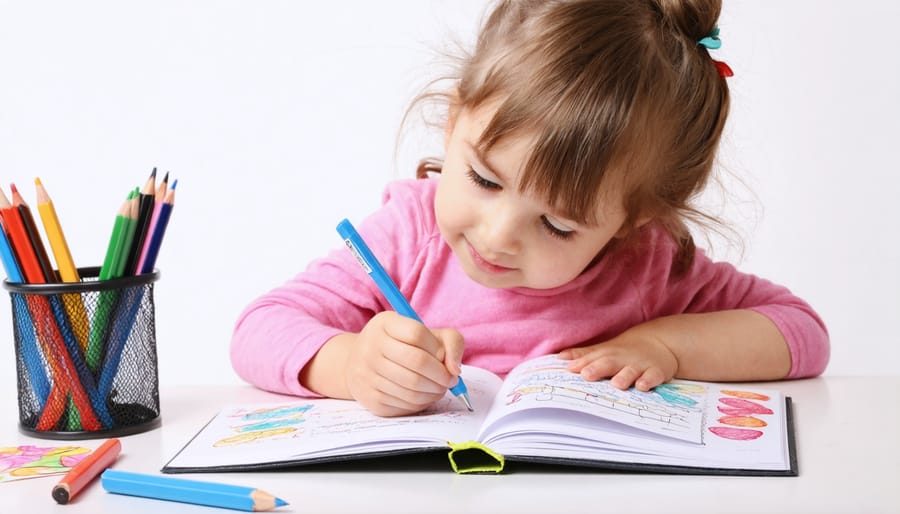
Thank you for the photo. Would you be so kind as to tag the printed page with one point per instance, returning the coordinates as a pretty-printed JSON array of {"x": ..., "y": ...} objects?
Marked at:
[
  {"x": 306, "y": 429},
  {"x": 542, "y": 410},
  {"x": 672, "y": 411}
]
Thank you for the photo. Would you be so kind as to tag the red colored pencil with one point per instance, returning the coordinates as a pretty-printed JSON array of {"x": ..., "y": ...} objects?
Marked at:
[
  {"x": 86, "y": 471},
  {"x": 18, "y": 238}
]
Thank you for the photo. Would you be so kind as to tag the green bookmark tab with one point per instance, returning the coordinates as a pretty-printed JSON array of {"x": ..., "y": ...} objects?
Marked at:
[{"x": 474, "y": 457}]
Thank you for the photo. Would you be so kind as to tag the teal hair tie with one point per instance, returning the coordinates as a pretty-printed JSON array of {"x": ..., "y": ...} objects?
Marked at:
[{"x": 712, "y": 41}]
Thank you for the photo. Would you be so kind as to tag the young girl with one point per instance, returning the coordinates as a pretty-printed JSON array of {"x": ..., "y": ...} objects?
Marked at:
[{"x": 577, "y": 134}]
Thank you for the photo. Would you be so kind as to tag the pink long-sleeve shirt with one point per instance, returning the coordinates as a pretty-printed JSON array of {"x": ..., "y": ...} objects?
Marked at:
[{"x": 278, "y": 333}]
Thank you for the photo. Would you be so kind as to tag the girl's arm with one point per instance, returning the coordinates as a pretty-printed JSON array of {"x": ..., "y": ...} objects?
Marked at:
[
  {"x": 711, "y": 323},
  {"x": 280, "y": 334},
  {"x": 732, "y": 345}
]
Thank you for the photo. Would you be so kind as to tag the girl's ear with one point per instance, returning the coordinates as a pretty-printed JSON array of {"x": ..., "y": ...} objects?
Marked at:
[
  {"x": 626, "y": 229},
  {"x": 452, "y": 115}
]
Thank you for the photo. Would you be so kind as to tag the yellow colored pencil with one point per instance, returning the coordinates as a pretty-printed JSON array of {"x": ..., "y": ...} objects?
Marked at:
[{"x": 67, "y": 270}]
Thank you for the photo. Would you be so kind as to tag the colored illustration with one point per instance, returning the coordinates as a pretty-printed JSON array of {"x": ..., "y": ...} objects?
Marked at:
[
  {"x": 736, "y": 434},
  {"x": 674, "y": 409},
  {"x": 742, "y": 421},
  {"x": 742, "y": 415},
  {"x": 26, "y": 461},
  {"x": 747, "y": 395},
  {"x": 264, "y": 423},
  {"x": 739, "y": 407}
]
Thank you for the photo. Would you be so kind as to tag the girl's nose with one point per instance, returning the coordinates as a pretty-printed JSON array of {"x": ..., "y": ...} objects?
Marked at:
[{"x": 501, "y": 231}]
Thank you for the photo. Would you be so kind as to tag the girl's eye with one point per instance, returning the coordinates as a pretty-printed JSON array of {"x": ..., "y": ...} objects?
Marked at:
[
  {"x": 556, "y": 229},
  {"x": 480, "y": 181}
]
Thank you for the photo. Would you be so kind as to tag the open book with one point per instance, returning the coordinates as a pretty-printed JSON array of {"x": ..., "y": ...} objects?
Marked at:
[{"x": 539, "y": 413}]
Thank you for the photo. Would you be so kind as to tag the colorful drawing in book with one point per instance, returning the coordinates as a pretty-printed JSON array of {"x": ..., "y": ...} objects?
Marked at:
[
  {"x": 265, "y": 423},
  {"x": 742, "y": 415}
]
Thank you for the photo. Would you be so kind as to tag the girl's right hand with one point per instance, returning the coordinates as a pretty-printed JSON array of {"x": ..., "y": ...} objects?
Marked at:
[{"x": 397, "y": 366}]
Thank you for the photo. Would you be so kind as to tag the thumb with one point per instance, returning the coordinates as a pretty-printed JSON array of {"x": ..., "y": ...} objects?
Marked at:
[{"x": 453, "y": 346}]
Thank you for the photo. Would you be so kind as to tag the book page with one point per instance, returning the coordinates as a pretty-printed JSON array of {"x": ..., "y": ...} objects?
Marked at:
[
  {"x": 544, "y": 411},
  {"x": 309, "y": 429},
  {"x": 669, "y": 410}
]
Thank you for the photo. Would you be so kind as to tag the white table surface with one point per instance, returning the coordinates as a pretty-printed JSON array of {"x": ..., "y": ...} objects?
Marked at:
[{"x": 848, "y": 441}]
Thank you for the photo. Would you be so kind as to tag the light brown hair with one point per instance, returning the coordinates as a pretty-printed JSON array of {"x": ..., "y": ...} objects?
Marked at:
[{"x": 617, "y": 91}]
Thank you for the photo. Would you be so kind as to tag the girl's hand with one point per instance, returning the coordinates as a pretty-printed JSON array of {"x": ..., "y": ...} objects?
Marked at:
[
  {"x": 635, "y": 357},
  {"x": 397, "y": 366}
]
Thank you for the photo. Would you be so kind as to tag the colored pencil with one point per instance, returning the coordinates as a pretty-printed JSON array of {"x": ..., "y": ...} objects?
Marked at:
[
  {"x": 189, "y": 491},
  {"x": 86, "y": 471},
  {"x": 120, "y": 325},
  {"x": 69, "y": 374},
  {"x": 33, "y": 235},
  {"x": 67, "y": 270},
  {"x": 18, "y": 238},
  {"x": 29, "y": 349},
  {"x": 157, "y": 204},
  {"x": 10, "y": 264},
  {"x": 64, "y": 263},
  {"x": 159, "y": 230},
  {"x": 130, "y": 302},
  {"x": 106, "y": 299},
  {"x": 142, "y": 222},
  {"x": 62, "y": 370},
  {"x": 129, "y": 232}
]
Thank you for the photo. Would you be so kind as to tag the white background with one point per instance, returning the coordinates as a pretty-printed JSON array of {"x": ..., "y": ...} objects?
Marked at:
[{"x": 280, "y": 118}]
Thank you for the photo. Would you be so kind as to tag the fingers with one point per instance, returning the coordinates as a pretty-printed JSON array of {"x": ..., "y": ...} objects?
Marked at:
[
  {"x": 412, "y": 333},
  {"x": 453, "y": 345},
  {"x": 638, "y": 364},
  {"x": 398, "y": 366},
  {"x": 414, "y": 369}
]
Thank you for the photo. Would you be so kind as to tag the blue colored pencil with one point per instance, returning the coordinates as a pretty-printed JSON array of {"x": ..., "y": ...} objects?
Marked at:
[
  {"x": 188, "y": 491},
  {"x": 30, "y": 352},
  {"x": 159, "y": 231},
  {"x": 390, "y": 290}
]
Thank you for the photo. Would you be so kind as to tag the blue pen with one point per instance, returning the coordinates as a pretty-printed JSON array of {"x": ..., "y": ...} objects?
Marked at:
[{"x": 374, "y": 269}]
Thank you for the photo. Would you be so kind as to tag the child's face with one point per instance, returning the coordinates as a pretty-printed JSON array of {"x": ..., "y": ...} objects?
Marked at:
[{"x": 501, "y": 237}]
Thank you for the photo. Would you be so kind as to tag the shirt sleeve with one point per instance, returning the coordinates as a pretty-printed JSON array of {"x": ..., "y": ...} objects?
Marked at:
[
  {"x": 713, "y": 286},
  {"x": 280, "y": 332}
]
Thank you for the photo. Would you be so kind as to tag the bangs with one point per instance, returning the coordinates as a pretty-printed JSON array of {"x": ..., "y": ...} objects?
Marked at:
[{"x": 572, "y": 100}]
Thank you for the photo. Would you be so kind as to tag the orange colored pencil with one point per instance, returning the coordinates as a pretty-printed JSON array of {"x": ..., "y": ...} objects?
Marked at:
[{"x": 86, "y": 471}]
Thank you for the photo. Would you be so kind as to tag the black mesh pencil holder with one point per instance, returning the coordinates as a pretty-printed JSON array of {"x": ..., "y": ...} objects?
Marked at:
[{"x": 86, "y": 356}]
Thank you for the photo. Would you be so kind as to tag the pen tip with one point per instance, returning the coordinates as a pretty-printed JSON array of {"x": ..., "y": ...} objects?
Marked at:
[{"x": 465, "y": 398}]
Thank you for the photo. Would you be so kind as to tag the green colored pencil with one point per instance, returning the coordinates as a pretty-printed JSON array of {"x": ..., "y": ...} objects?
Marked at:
[{"x": 105, "y": 301}]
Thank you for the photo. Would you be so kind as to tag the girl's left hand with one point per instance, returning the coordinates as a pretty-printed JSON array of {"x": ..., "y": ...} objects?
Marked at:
[{"x": 632, "y": 358}]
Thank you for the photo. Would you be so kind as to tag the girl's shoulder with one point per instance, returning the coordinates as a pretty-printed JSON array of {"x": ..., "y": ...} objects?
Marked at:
[
  {"x": 411, "y": 190},
  {"x": 413, "y": 200}
]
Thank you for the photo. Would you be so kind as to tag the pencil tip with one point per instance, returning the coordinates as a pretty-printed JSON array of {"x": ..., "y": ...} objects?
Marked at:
[
  {"x": 153, "y": 173},
  {"x": 280, "y": 503},
  {"x": 37, "y": 181},
  {"x": 166, "y": 177},
  {"x": 12, "y": 186},
  {"x": 175, "y": 184}
]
